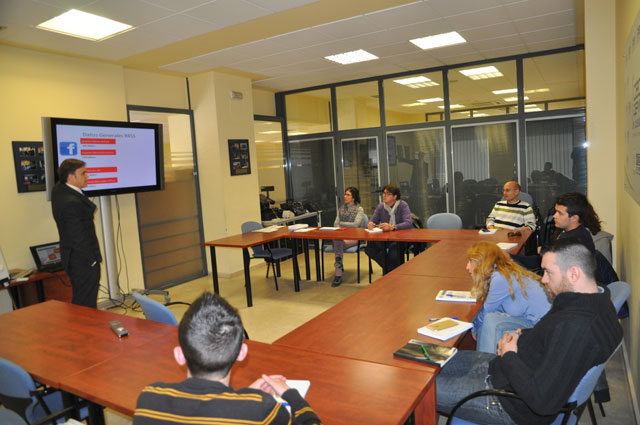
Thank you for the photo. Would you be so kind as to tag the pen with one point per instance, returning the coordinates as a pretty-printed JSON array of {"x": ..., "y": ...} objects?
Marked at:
[{"x": 426, "y": 353}]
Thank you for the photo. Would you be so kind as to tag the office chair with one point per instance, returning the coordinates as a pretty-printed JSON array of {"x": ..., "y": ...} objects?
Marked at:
[
  {"x": 154, "y": 310},
  {"x": 568, "y": 415},
  {"x": 444, "y": 221},
  {"x": 19, "y": 393},
  {"x": 272, "y": 256},
  {"x": 9, "y": 417},
  {"x": 354, "y": 249}
]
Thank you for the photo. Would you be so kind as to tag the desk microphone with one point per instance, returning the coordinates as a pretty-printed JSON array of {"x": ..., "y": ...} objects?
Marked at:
[{"x": 118, "y": 329}]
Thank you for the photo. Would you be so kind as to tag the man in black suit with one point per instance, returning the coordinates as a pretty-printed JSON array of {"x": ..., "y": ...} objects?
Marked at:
[{"x": 73, "y": 213}]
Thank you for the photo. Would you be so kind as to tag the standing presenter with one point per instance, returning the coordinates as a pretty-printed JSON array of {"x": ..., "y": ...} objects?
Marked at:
[{"x": 73, "y": 213}]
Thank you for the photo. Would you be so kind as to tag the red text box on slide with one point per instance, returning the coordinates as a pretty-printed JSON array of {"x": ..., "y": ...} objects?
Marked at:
[
  {"x": 96, "y": 152},
  {"x": 88, "y": 141},
  {"x": 96, "y": 170},
  {"x": 103, "y": 181}
]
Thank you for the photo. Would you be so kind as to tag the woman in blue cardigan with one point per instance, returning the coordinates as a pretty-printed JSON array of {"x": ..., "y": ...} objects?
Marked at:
[{"x": 513, "y": 296}]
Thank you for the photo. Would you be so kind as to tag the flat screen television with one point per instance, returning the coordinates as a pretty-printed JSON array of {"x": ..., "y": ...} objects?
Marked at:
[{"x": 121, "y": 157}]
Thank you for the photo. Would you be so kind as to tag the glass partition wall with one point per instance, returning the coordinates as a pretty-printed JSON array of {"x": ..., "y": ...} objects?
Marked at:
[{"x": 450, "y": 136}]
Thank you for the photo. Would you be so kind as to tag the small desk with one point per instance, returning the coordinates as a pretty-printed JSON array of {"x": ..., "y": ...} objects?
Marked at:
[
  {"x": 47, "y": 285},
  {"x": 343, "y": 391}
]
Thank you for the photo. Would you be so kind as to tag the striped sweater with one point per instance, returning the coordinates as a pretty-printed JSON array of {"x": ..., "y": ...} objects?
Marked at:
[
  {"x": 512, "y": 216},
  {"x": 204, "y": 402}
]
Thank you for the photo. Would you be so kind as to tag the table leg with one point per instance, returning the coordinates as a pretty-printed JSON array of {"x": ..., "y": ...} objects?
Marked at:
[
  {"x": 40, "y": 291},
  {"x": 316, "y": 246},
  {"x": 305, "y": 245},
  {"x": 96, "y": 414},
  {"x": 214, "y": 269},
  {"x": 385, "y": 246},
  {"x": 296, "y": 271},
  {"x": 425, "y": 413},
  {"x": 247, "y": 275}
]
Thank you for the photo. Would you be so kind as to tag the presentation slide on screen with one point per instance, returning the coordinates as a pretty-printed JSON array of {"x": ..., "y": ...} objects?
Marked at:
[{"x": 115, "y": 157}]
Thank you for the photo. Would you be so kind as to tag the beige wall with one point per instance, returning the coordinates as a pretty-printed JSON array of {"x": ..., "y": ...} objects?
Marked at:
[
  {"x": 628, "y": 209},
  {"x": 264, "y": 102}
]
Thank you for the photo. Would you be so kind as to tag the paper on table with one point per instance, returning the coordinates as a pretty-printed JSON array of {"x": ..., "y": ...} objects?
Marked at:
[
  {"x": 440, "y": 329},
  {"x": 302, "y": 386},
  {"x": 306, "y": 229},
  {"x": 487, "y": 232},
  {"x": 269, "y": 229},
  {"x": 329, "y": 228},
  {"x": 374, "y": 230},
  {"x": 294, "y": 227},
  {"x": 506, "y": 246}
]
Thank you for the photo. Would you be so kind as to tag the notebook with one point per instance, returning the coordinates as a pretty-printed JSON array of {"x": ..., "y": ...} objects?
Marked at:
[
  {"x": 436, "y": 355},
  {"x": 445, "y": 328},
  {"x": 455, "y": 296},
  {"x": 506, "y": 246},
  {"x": 47, "y": 257}
]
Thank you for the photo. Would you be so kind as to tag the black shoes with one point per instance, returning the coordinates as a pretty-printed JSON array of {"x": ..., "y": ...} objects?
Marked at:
[{"x": 337, "y": 281}]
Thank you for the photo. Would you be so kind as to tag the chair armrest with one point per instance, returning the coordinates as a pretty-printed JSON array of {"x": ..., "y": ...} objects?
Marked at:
[{"x": 53, "y": 417}]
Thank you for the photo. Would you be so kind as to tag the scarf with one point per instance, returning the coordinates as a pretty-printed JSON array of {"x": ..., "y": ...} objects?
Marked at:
[
  {"x": 392, "y": 212},
  {"x": 348, "y": 213}
]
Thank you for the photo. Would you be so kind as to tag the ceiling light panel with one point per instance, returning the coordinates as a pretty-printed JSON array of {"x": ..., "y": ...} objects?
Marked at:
[
  {"x": 514, "y": 99},
  {"x": 84, "y": 25},
  {"x": 417, "y": 82},
  {"x": 482, "y": 73},
  {"x": 455, "y": 106},
  {"x": 440, "y": 40},
  {"x": 505, "y": 91},
  {"x": 433, "y": 99},
  {"x": 351, "y": 57}
]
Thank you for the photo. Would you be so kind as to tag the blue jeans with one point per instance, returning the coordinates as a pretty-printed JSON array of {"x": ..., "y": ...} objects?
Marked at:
[
  {"x": 494, "y": 326},
  {"x": 466, "y": 373}
]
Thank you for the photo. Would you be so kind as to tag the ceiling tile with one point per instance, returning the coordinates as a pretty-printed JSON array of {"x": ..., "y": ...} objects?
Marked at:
[
  {"x": 548, "y": 34},
  {"x": 132, "y": 12},
  {"x": 280, "y": 5},
  {"x": 499, "y": 42},
  {"x": 221, "y": 58},
  {"x": 423, "y": 29},
  {"x": 227, "y": 12},
  {"x": 448, "y": 7},
  {"x": 404, "y": 15},
  {"x": 504, "y": 51},
  {"x": 421, "y": 63},
  {"x": 351, "y": 27},
  {"x": 470, "y": 57},
  {"x": 177, "y": 5},
  {"x": 479, "y": 18},
  {"x": 289, "y": 57},
  {"x": 259, "y": 48},
  {"x": 531, "y": 8},
  {"x": 27, "y": 13},
  {"x": 177, "y": 27},
  {"x": 302, "y": 39},
  {"x": 483, "y": 33},
  {"x": 187, "y": 66},
  {"x": 566, "y": 17},
  {"x": 394, "y": 49},
  {"x": 372, "y": 40},
  {"x": 551, "y": 44}
]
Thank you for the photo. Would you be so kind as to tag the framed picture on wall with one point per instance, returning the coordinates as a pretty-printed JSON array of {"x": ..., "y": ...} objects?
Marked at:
[
  {"x": 239, "y": 160},
  {"x": 28, "y": 159}
]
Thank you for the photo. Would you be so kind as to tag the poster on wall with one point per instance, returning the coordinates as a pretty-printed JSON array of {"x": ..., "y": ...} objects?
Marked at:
[
  {"x": 28, "y": 159},
  {"x": 239, "y": 161},
  {"x": 632, "y": 111}
]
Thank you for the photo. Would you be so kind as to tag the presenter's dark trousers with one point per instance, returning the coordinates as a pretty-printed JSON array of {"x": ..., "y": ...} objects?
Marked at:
[
  {"x": 85, "y": 282},
  {"x": 375, "y": 250}
]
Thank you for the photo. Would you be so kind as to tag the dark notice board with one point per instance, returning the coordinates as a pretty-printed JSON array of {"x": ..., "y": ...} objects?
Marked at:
[{"x": 28, "y": 158}]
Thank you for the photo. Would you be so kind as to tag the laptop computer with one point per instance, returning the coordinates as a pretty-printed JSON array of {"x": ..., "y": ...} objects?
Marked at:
[{"x": 47, "y": 257}]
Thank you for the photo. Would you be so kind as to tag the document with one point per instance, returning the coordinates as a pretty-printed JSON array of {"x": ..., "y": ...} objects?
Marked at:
[
  {"x": 445, "y": 328},
  {"x": 374, "y": 230},
  {"x": 302, "y": 386},
  {"x": 268, "y": 229},
  {"x": 506, "y": 246},
  {"x": 330, "y": 228},
  {"x": 299, "y": 226},
  {"x": 455, "y": 296},
  {"x": 487, "y": 232},
  {"x": 426, "y": 352}
]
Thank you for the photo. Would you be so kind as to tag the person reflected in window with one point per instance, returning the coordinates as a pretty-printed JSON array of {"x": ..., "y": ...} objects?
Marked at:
[
  {"x": 392, "y": 214},
  {"x": 513, "y": 296},
  {"x": 350, "y": 214}
]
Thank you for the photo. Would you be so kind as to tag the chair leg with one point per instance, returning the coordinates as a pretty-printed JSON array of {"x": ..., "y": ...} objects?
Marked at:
[
  {"x": 322, "y": 254},
  {"x": 602, "y": 410},
  {"x": 370, "y": 270},
  {"x": 275, "y": 279},
  {"x": 358, "y": 252},
  {"x": 278, "y": 268},
  {"x": 268, "y": 267},
  {"x": 592, "y": 414}
]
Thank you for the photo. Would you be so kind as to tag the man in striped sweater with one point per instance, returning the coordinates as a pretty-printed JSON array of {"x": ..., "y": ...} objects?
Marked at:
[
  {"x": 511, "y": 213},
  {"x": 210, "y": 336}
]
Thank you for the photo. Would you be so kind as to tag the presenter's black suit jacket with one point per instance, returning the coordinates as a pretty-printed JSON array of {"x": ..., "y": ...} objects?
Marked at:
[{"x": 80, "y": 251}]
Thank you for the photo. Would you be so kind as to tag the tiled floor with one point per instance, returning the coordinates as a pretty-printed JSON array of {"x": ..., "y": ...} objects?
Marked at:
[{"x": 275, "y": 313}]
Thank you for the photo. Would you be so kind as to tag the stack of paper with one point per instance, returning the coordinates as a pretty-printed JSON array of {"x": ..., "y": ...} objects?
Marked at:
[
  {"x": 299, "y": 226},
  {"x": 268, "y": 229},
  {"x": 506, "y": 246},
  {"x": 457, "y": 296},
  {"x": 374, "y": 230},
  {"x": 487, "y": 232},
  {"x": 445, "y": 328}
]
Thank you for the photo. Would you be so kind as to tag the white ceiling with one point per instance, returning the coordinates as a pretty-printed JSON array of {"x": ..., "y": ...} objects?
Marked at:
[{"x": 281, "y": 44}]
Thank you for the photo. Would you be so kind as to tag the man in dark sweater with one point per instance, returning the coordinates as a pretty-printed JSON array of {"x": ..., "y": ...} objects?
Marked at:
[
  {"x": 210, "y": 335},
  {"x": 543, "y": 365}
]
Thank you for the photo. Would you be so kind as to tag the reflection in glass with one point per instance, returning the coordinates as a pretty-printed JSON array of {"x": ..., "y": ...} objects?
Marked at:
[
  {"x": 417, "y": 166},
  {"x": 554, "y": 81},
  {"x": 312, "y": 175},
  {"x": 171, "y": 237},
  {"x": 308, "y": 112},
  {"x": 484, "y": 90},
  {"x": 556, "y": 159},
  {"x": 358, "y": 105},
  {"x": 413, "y": 99},
  {"x": 270, "y": 158},
  {"x": 484, "y": 158},
  {"x": 360, "y": 168}
]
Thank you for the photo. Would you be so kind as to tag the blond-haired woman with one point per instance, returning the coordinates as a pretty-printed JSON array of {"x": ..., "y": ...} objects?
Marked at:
[{"x": 513, "y": 296}]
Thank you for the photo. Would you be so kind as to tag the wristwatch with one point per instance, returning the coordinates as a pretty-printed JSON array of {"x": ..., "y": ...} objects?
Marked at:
[{"x": 393, "y": 227}]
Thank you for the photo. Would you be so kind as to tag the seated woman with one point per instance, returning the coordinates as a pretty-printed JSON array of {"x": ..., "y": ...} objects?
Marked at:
[
  {"x": 507, "y": 306},
  {"x": 349, "y": 215}
]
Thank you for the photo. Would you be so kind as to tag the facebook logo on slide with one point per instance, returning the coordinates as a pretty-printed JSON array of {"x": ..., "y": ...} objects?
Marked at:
[{"x": 68, "y": 148}]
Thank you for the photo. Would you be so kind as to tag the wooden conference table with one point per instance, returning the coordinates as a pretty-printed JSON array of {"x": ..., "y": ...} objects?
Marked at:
[
  {"x": 450, "y": 240},
  {"x": 73, "y": 348}
]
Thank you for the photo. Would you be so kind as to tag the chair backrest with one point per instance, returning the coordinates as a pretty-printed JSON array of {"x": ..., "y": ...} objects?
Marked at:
[
  {"x": 9, "y": 417},
  {"x": 153, "y": 310},
  {"x": 16, "y": 389},
  {"x": 602, "y": 241},
  {"x": 524, "y": 196},
  {"x": 620, "y": 291},
  {"x": 444, "y": 221},
  {"x": 250, "y": 226},
  {"x": 365, "y": 221}
]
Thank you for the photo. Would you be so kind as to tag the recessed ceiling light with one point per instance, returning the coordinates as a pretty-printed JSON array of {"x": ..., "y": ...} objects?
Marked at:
[
  {"x": 433, "y": 99},
  {"x": 482, "y": 72},
  {"x": 84, "y": 25},
  {"x": 417, "y": 82},
  {"x": 352, "y": 57},
  {"x": 296, "y": 133},
  {"x": 514, "y": 99},
  {"x": 480, "y": 114},
  {"x": 454, "y": 106},
  {"x": 270, "y": 132},
  {"x": 536, "y": 109},
  {"x": 440, "y": 40},
  {"x": 536, "y": 91},
  {"x": 505, "y": 91},
  {"x": 408, "y": 105}
]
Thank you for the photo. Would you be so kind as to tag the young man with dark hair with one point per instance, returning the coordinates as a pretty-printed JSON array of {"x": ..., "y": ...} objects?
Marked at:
[
  {"x": 79, "y": 248},
  {"x": 210, "y": 336},
  {"x": 544, "y": 364},
  {"x": 392, "y": 214},
  {"x": 575, "y": 218}
]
